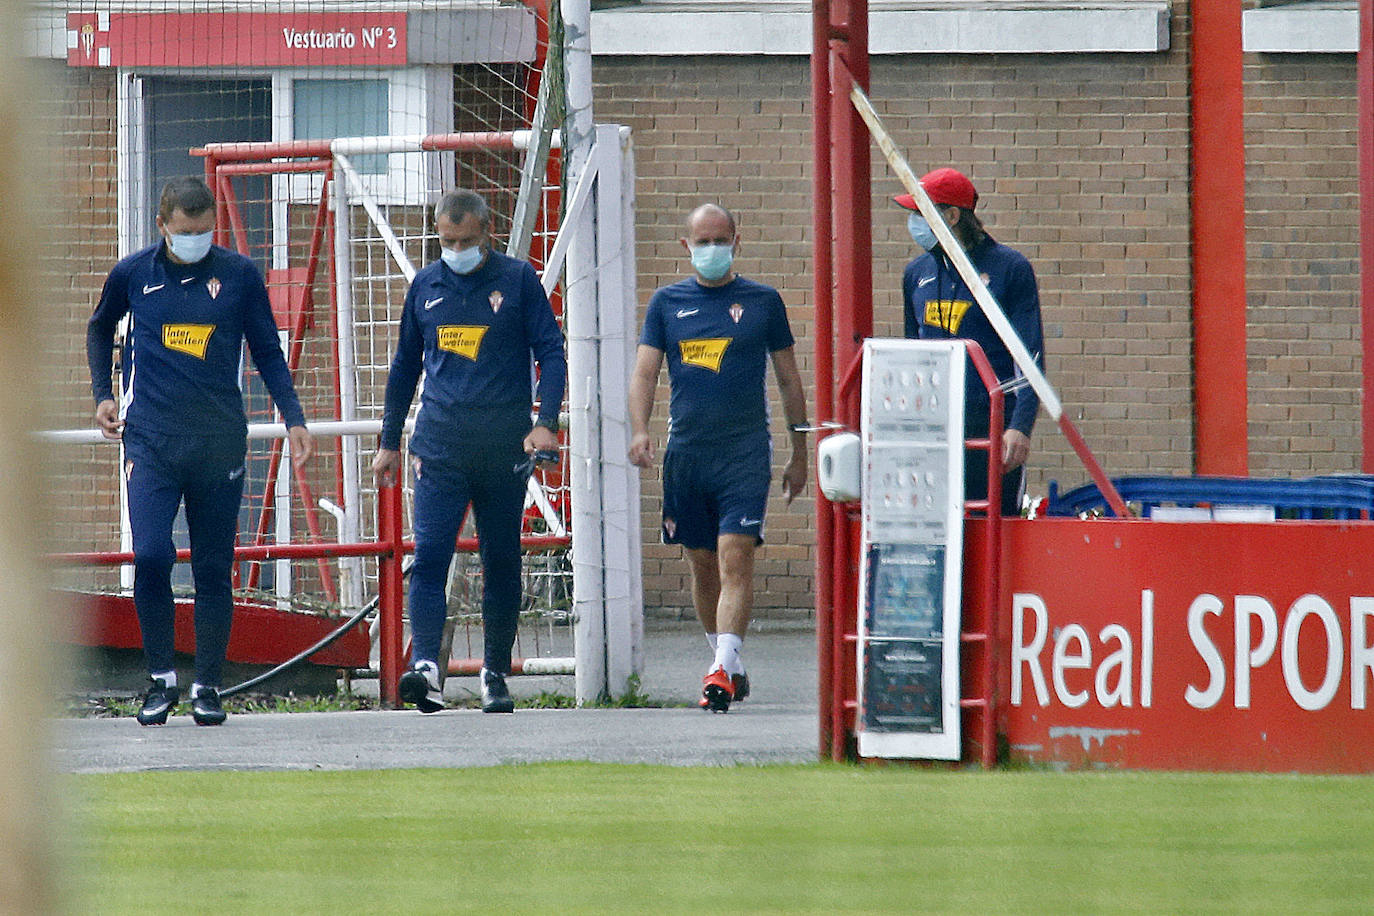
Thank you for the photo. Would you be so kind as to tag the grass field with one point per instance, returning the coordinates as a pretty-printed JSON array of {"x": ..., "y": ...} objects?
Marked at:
[{"x": 587, "y": 838}]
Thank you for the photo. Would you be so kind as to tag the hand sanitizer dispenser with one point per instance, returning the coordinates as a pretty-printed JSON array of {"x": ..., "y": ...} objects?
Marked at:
[{"x": 839, "y": 467}]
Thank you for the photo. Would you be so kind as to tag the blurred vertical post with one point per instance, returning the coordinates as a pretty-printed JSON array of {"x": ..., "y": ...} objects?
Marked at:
[{"x": 27, "y": 871}]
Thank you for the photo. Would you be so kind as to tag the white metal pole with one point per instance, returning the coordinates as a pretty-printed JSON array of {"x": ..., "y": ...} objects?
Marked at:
[
  {"x": 351, "y": 568},
  {"x": 282, "y": 498},
  {"x": 629, "y": 302},
  {"x": 616, "y": 492},
  {"x": 580, "y": 321}
]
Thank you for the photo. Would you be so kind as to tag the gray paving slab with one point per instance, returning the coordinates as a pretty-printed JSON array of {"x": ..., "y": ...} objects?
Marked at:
[{"x": 777, "y": 724}]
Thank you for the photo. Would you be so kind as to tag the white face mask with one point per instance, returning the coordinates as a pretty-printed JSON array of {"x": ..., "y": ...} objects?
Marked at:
[
  {"x": 462, "y": 260},
  {"x": 190, "y": 248}
]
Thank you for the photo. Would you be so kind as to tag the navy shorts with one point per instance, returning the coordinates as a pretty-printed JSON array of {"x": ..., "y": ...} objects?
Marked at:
[{"x": 707, "y": 494}]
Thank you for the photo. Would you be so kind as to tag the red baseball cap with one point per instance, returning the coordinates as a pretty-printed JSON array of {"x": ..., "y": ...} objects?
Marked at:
[{"x": 944, "y": 186}]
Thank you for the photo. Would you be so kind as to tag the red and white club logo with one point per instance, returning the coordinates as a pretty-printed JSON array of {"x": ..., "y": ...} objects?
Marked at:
[
  {"x": 88, "y": 40},
  {"x": 214, "y": 286},
  {"x": 736, "y": 312},
  {"x": 496, "y": 299}
]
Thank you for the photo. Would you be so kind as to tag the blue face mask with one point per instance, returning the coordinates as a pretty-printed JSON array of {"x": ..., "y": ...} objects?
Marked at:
[
  {"x": 462, "y": 260},
  {"x": 713, "y": 261},
  {"x": 920, "y": 230},
  {"x": 190, "y": 248}
]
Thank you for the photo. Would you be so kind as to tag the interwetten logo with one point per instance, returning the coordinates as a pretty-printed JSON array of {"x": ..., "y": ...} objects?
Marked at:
[
  {"x": 463, "y": 339},
  {"x": 191, "y": 339},
  {"x": 706, "y": 352},
  {"x": 947, "y": 313}
]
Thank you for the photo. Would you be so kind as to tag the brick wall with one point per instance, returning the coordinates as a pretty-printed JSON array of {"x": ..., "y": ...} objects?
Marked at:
[
  {"x": 1302, "y": 246},
  {"x": 1082, "y": 163}
]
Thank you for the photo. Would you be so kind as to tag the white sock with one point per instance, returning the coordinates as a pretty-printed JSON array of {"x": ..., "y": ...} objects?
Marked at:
[
  {"x": 728, "y": 646},
  {"x": 169, "y": 678},
  {"x": 711, "y": 641}
]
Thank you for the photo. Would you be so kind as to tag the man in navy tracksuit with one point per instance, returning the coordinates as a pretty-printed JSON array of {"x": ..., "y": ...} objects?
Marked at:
[
  {"x": 191, "y": 305},
  {"x": 938, "y": 305},
  {"x": 472, "y": 321},
  {"x": 718, "y": 331}
]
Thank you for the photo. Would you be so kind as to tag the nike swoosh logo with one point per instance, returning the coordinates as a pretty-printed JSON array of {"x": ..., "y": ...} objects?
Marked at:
[
  {"x": 925, "y": 281},
  {"x": 152, "y": 289},
  {"x": 431, "y": 303},
  {"x": 750, "y": 522},
  {"x": 687, "y": 313}
]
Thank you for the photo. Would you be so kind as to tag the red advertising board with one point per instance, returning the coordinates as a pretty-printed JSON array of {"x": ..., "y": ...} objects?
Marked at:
[
  {"x": 236, "y": 39},
  {"x": 1197, "y": 646}
]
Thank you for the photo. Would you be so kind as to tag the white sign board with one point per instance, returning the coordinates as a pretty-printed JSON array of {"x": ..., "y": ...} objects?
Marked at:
[{"x": 910, "y": 584}]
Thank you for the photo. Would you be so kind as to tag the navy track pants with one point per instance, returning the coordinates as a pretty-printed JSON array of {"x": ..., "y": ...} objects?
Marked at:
[
  {"x": 479, "y": 472},
  {"x": 207, "y": 474}
]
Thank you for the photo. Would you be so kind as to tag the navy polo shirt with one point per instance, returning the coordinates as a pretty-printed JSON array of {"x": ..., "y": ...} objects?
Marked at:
[{"x": 717, "y": 340}]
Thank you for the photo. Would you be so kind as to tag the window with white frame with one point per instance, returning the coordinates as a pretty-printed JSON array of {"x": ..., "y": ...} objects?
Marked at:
[{"x": 342, "y": 108}]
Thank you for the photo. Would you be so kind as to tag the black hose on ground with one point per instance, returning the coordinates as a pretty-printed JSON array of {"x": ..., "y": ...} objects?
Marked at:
[{"x": 324, "y": 643}]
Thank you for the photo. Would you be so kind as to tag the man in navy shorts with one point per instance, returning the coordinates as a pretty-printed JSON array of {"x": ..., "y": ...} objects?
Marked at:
[
  {"x": 191, "y": 307},
  {"x": 717, "y": 330}
]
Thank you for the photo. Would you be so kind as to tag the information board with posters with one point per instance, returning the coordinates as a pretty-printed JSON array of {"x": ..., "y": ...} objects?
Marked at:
[{"x": 912, "y": 431}]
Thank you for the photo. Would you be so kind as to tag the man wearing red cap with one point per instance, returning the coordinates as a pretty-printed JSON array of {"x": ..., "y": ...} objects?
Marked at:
[{"x": 939, "y": 306}]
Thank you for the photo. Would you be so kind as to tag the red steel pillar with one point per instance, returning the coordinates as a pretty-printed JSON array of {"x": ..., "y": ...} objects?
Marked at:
[
  {"x": 391, "y": 595},
  {"x": 844, "y": 306},
  {"x": 1220, "y": 391}
]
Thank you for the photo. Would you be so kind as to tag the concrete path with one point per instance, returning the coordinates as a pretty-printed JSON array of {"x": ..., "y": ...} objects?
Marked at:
[{"x": 777, "y": 724}]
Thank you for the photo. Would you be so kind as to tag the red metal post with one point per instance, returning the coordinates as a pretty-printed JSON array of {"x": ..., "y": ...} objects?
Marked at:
[
  {"x": 1220, "y": 392},
  {"x": 851, "y": 199},
  {"x": 1364, "y": 78},
  {"x": 391, "y": 596},
  {"x": 978, "y": 632}
]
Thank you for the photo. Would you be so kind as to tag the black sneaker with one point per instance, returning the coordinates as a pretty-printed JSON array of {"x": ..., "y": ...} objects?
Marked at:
[
  {"x": 206, "y": 708},
  {"x": 420, "y": 687},
  {"x": 158, "y": 703},
  {"x": 741, "y": 682},
  {"x": 495, "y": 696}
]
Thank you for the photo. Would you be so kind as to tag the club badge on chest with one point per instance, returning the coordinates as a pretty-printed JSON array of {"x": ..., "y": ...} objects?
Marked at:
[
  {"x": 736, "y": 312},
  {"x": 496, "y": 299},
  {"x": 213, "y": 287}
]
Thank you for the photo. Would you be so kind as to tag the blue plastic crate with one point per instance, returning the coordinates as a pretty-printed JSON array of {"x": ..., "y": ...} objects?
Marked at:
[{"x": 1326, "y": 497}]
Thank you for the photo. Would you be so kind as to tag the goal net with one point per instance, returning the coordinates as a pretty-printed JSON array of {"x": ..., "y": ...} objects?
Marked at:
[{"x": 327, "y": 135}]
